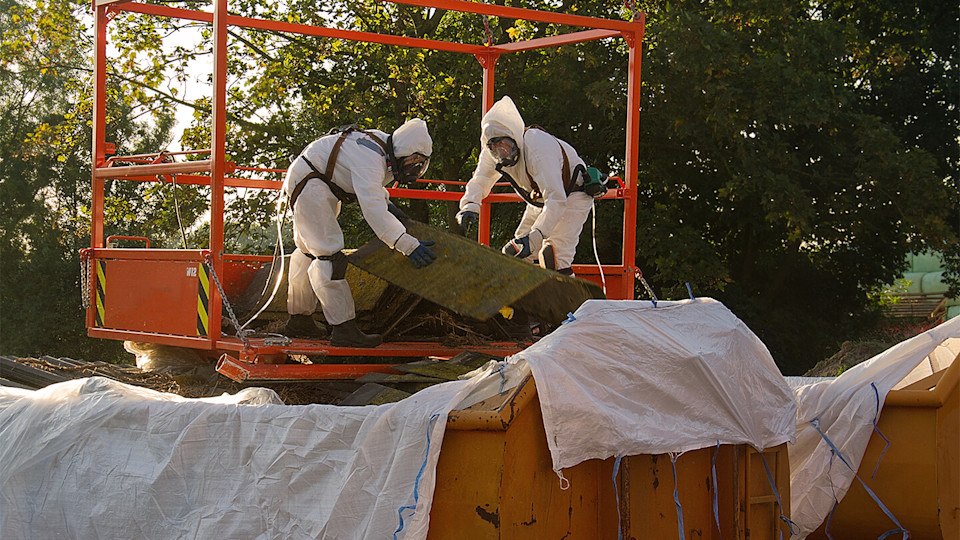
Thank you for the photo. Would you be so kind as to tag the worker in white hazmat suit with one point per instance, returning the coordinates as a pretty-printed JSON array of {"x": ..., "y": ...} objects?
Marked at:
[
  {"x": 548, "y": 174},
  {"x": 345, "y": 166}
]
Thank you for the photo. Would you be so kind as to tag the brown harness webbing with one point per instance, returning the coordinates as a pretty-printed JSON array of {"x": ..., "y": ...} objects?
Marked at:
[
  {"x": 568, "y": 185},
  {"x": 327, "y": 176}
]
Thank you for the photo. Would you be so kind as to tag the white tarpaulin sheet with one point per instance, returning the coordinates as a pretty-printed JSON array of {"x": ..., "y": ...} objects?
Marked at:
[
  {"x": 844, "y": 408},
  {"x": 94, "y": 458},
  {"x": 628, "y": 378},
  {"x": 98, "y": 459}
]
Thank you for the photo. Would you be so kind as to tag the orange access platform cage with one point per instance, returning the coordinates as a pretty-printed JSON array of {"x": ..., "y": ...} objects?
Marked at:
[{"x": 176, "y": 297}]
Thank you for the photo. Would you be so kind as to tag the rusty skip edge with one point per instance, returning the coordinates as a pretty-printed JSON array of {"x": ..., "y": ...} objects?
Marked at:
[{"x": 499, "y": 418}]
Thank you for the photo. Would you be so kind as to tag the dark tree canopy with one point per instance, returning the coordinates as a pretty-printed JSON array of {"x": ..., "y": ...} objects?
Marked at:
[{"x": 792, "y": 153}]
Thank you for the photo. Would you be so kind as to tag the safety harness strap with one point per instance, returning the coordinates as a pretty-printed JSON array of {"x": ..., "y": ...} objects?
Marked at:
[
  {"x": 569, "y": 180},
  {"x": 338, "y": 259},
  {"x": 529, "y": 197},
  {"x": 327, "y": 176}
]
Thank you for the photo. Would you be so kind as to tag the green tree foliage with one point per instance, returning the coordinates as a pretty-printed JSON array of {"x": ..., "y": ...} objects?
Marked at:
[
  {"x": 45, "y": 177},
  {"x": 792, "y": 153},
  {"x": 768, "y": 182}
]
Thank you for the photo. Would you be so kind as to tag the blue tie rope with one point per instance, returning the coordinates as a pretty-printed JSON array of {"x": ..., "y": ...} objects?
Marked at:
[
  {"x": 676, "y": 496},
  {"x": 876, "y": 394},
  {"x": 716, "y": 504},
  {"x": 416, "y": 484},
  {"x": 776, "y": 493},
  {"x": 616, "y": 492},
  {"x": 899, "y": 529}
]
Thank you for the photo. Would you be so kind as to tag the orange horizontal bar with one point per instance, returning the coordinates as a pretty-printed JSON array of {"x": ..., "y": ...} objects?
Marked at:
[
  {"x": 353, "y": 35},
  {"x": 468, "y": 7},
  {"x": 205, "y": 343},
  {"x": 556, "y": 41},
  {"x": 409, "y": 193},
  {"x": 244, "y": 371},
  {"x": 592, "y": 270},
  {"x": 153, "y": 169},
  {"x": 164, "y": 11},
  {"x": 525, "y": 14},
  {"x": 199, "y": 255}
]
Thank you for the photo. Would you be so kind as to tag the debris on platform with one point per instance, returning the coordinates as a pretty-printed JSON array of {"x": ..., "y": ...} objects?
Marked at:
[
  {"x": 456, "y": 301},
  {"x": 475, "y": 281},
  {"x": 380, "y": 388}
]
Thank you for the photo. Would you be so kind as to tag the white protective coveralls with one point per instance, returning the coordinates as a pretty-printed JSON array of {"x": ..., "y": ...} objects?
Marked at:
[
  {"x": 562, "y": 216},
  {"x": 362, "y": 168}
]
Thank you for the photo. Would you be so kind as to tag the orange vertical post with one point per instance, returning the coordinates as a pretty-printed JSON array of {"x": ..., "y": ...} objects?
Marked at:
[
  {"x": 99, "y": 120},
  {"x": 635, "y": 41},
  {"x": 218, "y": 137},
  {"x": 489, "y": 62},
  {"x": 98, "y": 144}
]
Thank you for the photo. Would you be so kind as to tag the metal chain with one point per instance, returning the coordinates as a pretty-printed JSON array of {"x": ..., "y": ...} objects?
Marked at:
[
  {"x": 639, "y": 275},
  {"x": 226, "y": 304},
  {"x": 85, "y": 280}
]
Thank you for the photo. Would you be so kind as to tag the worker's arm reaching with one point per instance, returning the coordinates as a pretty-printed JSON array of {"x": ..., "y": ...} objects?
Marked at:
[
  {"x": 374, "y": 204},
  {"x": 479, "y": 186}
]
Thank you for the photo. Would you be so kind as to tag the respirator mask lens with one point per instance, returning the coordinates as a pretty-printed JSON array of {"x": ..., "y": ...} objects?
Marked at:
[
  {"x": 505, "y": 150},
  {"x": 413, "y": 167}
]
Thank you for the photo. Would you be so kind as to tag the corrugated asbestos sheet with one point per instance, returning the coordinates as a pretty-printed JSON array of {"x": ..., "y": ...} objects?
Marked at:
[{"x": 474, "y": 280}]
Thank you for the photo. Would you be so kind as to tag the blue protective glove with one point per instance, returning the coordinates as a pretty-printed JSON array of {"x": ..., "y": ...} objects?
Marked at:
[
  {"x": 466, "y": 218},
  {"x": 397, "y": 212},
  {"x": 518, "y": 247},
  {"x": 422, "y": 256}
]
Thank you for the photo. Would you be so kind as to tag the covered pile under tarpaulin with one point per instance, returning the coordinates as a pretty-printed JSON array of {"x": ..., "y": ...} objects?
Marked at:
[
  {"x": 628, "y": 378},
  {"x": 95, "y": 458},
  {"x": 838, "y": 414}
]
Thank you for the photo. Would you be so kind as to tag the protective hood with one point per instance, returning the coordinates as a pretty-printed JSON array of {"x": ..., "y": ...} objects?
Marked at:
[
  {"x": 411, "y": 138},
  {"x": 502, "y": 120}
]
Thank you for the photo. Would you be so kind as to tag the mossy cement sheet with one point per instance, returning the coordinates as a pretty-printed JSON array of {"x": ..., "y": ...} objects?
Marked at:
[{"x": 474, "y": 280}]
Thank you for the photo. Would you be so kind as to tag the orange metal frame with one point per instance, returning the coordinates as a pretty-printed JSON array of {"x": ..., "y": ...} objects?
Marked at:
[{"x": 165, "y": 296}]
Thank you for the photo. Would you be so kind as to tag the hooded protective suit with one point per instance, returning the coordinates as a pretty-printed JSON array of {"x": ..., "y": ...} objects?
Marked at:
[
  {"x": 362, "y": 168},
  {"x": 561, "y": 219}
]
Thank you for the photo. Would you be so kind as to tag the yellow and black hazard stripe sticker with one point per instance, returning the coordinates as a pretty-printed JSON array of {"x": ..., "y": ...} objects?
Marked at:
[
  {"x": 203, "y": 300},
  {"x": 101, "y": 287}
]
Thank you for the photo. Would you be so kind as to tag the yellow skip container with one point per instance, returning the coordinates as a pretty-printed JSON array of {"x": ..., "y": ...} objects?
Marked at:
[
  {"x": 495, "y": 481},
  {"x": 918, "y": 477}
]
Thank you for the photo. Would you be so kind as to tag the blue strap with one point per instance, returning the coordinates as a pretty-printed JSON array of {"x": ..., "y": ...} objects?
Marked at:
[
  {"x": 716, "y": 505},
  {"x": 503, "y": 378},
  {"x": 616, "y": 491},
  {"x": 416, "y": 484},
  {"x": 899, "y": 529},
  {"x": 690, "y": 291},
  {"x": 876, "y": 394},
  {"x": 676, "y": 496},
  {"x": 570, "y": 318},
  {"x": 826, "y": 529},
  {"x": 776, "y": 493}
]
